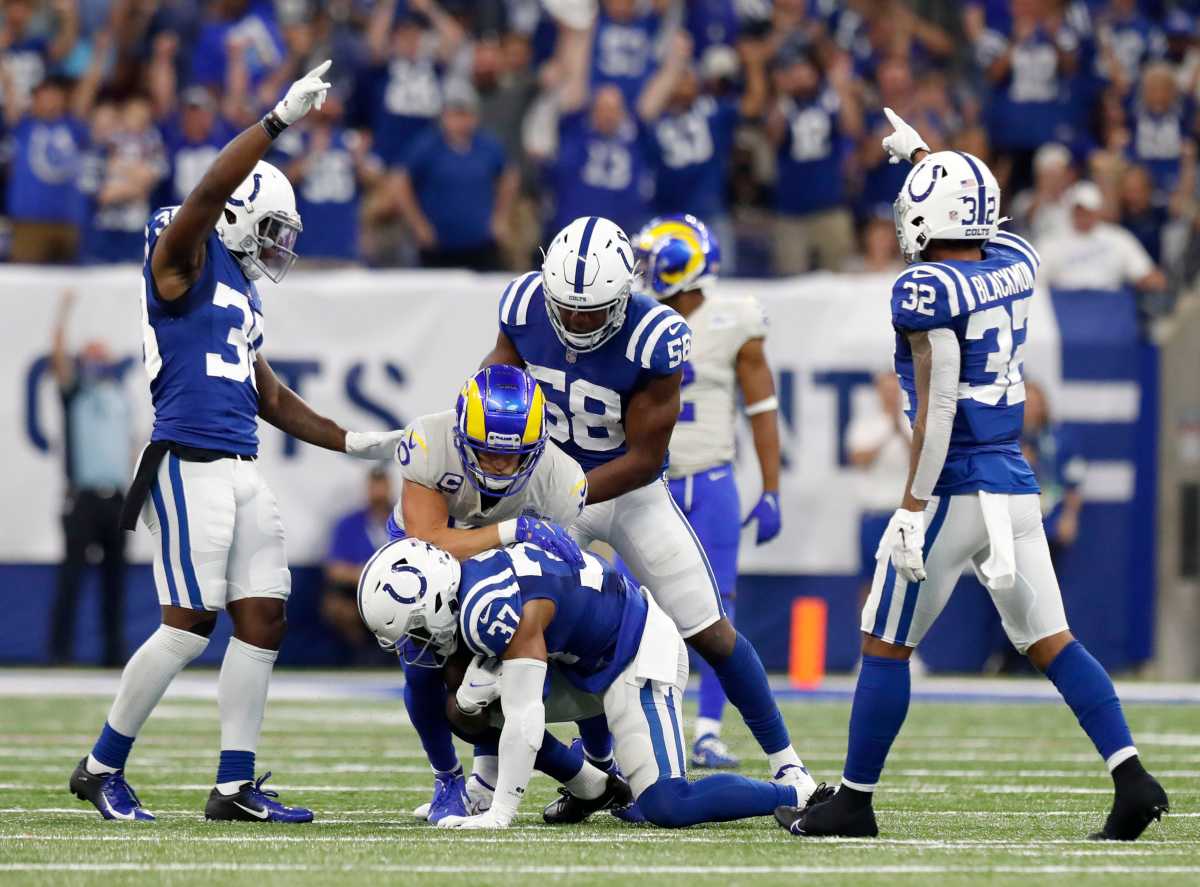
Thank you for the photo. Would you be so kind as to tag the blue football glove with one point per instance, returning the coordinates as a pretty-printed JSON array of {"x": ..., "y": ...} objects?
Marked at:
[
  {"x": 770, "y": 521},
  {"x": 550, "y": 537}
]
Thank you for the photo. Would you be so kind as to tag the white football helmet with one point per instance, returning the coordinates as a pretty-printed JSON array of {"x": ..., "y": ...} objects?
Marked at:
[
  {"x": 588, "y": 273},
  {"x": 950, "y": 195},
  {"x": 260, "y": 223},
  {"x": 409, "y": 591}
]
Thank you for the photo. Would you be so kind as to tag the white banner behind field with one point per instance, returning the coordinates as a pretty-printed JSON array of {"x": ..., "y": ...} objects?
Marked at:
[{"x": 372, "y": 348}]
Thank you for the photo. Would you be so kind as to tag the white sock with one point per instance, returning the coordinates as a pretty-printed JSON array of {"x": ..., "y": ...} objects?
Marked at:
[
  {"x": 707, "y": 727},
  {"x": 242, "y": 694},
  {"x": 780, "y": 759},
  {"x": 487, "y": 768},
  {"x": 146, "y": 677},
  {"x": 588, "y": 783}
]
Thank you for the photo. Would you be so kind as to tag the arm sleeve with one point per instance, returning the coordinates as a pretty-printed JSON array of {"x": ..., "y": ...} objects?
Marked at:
[
  {"x": 521, "y": 738},
  {"x": 943, "y": 404}
]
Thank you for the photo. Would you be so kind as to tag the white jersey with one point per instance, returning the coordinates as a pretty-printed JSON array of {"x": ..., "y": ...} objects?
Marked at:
[
  {"x": 703, "y": 436},
  {"x": 427, "y": 455}
]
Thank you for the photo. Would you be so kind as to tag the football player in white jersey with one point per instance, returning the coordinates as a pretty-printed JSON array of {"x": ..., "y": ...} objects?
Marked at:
[
  {"x": 680, "y": 259},
  {"x": 610, "y": 363},
  {"x": 217, "y": 530},
  {"x": 481, "y": 476}
]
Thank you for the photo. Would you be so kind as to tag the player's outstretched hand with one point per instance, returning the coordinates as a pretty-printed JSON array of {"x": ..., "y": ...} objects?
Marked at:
[
  {"x": 904, "y": 542},
  {"x": 550, "y": 537},
  {"x": 770, "y": 520},
  {"x": 904, "y": 142},
  {"x": 376, "y": 445},
  {"x": 488, "y": 819},
  {"x": 480, "y": 685},
  {"x": 305, "y": 94}
]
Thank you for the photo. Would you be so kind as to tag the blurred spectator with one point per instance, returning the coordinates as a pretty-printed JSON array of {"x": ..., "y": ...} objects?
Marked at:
[
  {"x": 329, "y": 166},
  {"x": 356, "y": 536},
  {"x": 1095, "y": 254},
  {"x": 456, "y": 188},
  {"x": 1139, "y": 215},
  {"x": 191, "y": 140},
  {"x": 1163, "y": 129},
  {"x": 880, "y": 250},
  {"x": 1131, "y": 37},
  {"x": 244, "y": 27},
  {"x": 125, "y": 165},
  {"x": 27, "y": 57},
  {"x": 1042, "y": 211},
  {"x": 98, "y": 453},
  {"x": 810, "y": 126},
  {"x": 624, "y": 41},
  {"x": 403, "y": 87},
  {"x": 43, "y": 201}
]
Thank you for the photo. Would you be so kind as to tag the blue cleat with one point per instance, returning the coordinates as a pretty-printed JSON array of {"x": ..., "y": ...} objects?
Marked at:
[
  {"x": 253, "y": 803},
  {"x": 109, "y": 793},
  {"x": 449, "y": 796},
  {"x": 710, "y": 753}
]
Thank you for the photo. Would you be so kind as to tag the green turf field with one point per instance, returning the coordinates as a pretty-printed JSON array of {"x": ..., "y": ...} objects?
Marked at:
[{"x": 975, "y": 793}]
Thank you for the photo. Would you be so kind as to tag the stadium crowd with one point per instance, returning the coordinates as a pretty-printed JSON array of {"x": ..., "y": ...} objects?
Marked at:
[{"x": 460, "y": 132}]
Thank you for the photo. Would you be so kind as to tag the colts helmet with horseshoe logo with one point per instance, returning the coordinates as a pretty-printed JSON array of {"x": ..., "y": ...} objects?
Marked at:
[
  {"x": 950, "y": 195},
  {"x": 408, "y": 598}
]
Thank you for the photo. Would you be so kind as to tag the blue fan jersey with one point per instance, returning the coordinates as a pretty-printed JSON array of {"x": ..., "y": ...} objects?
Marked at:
[
  {"x": 986, "y": 303},
  {"x": 200, "y": 350},
  {"x": 598, "y": 619},
  {"x": 587, "y": 394}
]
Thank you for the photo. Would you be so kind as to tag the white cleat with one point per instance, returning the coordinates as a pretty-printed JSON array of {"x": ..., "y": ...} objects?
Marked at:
[
  {"x": 479, "y": 795},
  {"x": 796, "y": 775},
  {"x": 422, "y": 812}
]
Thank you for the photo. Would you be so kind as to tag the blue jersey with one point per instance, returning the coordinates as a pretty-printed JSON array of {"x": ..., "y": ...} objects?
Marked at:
[
  {"x": 810, "y": 156},
  {"x": 598, "y": 618},
  {"x": 200, "y": 350},
  {"x": 587, "y": 394},
  {"x": 602, "y": 175},
  {"x": 623, "y": 54},
  {"x": 694, "y": 148},
  {"x": 986, "y": 304}
]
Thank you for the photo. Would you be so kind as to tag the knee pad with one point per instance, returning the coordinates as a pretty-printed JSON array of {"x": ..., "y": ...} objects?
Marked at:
[{"x": 663, "y": 802}]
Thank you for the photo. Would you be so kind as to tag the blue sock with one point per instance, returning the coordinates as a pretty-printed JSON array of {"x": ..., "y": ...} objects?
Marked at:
[
  {"x": 597, "y": 740},
  {"x": 558, "y": 761},
  {"x": 745, "y": 681},
  {"x": 112, "y": 748},
  {"x": 235, "y": 766},
  {"x": 425, "y": 700},
  {"x": 1088, "y": 689},
  {"x": 676, "y": 803},
  {"x": 880, "y": 706},
  {"x": 712, "y": 694}
]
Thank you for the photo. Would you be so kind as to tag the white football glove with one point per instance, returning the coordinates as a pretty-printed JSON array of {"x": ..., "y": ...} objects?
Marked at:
[
  {"x": 490, "y": 819},
  {"x": 377, "y": 445},
  {"x": 901, "y": 144},
  {"x": 305, "y": 94},
  {"x": 480, "y": 685},
  {"x": 904, "y": 542}
]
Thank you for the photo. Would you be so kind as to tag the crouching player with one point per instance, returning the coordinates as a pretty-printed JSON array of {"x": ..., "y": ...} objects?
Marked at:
[
  {"x": 524, "y": 605},
  {"x": 475, "y": 478},
  {"x": 960, "y": 313}
]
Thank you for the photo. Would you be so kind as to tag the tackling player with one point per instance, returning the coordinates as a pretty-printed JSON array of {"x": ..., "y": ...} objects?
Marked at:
[
  {"x": 680, "y": 259},
  {"x": 477, "y": 477},
  {"x": 960, "y": 313},
  {"x": 611, "y": 367},
  {"x": 609, "y": 639},
  {"x": 216, "y": 526}
]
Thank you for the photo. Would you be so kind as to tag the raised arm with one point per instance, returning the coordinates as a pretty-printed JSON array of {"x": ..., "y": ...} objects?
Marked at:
[
  {"x": 649, "y": 422},
  {"x": 657, "y": 91},
  {"x": 179, "y": 254},
  {"x": 61, "y": 364}
]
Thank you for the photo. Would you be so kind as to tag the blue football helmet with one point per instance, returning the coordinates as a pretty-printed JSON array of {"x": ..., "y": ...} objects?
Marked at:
[
  {"x": 676, "y": 253},
  {"x": 501, "y": 411}
]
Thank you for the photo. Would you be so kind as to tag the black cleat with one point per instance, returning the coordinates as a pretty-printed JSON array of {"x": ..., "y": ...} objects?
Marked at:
[
  {"x": 253, "y": 803},
  {"x": 1138, "y": 802},
  {"x": 109, "y": 793},
  {"x": 569, "y": 809},
  {"x": 829, "y": 814}
]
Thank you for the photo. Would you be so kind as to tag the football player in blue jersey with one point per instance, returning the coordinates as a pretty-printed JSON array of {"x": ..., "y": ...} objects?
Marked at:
[
  {"x": 610, "y": 365},
  {"x": 680, "y": 260},
  {"x": 524, "y": 606},
  {"x": 216, "y": 526},
  {"x": 960, "y": 311}
]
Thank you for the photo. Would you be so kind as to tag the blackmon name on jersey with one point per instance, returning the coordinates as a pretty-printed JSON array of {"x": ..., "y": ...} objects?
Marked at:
[
  {"x": 598, "y": 619},
  {"x": 588, "y": 393},
  {"x": 200, "y": 349},
  {"x": 986, "y": 304},
  {"x": 556, "y": 491}
]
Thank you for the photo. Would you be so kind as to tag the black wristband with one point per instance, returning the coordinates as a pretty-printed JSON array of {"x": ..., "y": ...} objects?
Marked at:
[{"x": 272, "y": 125}]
